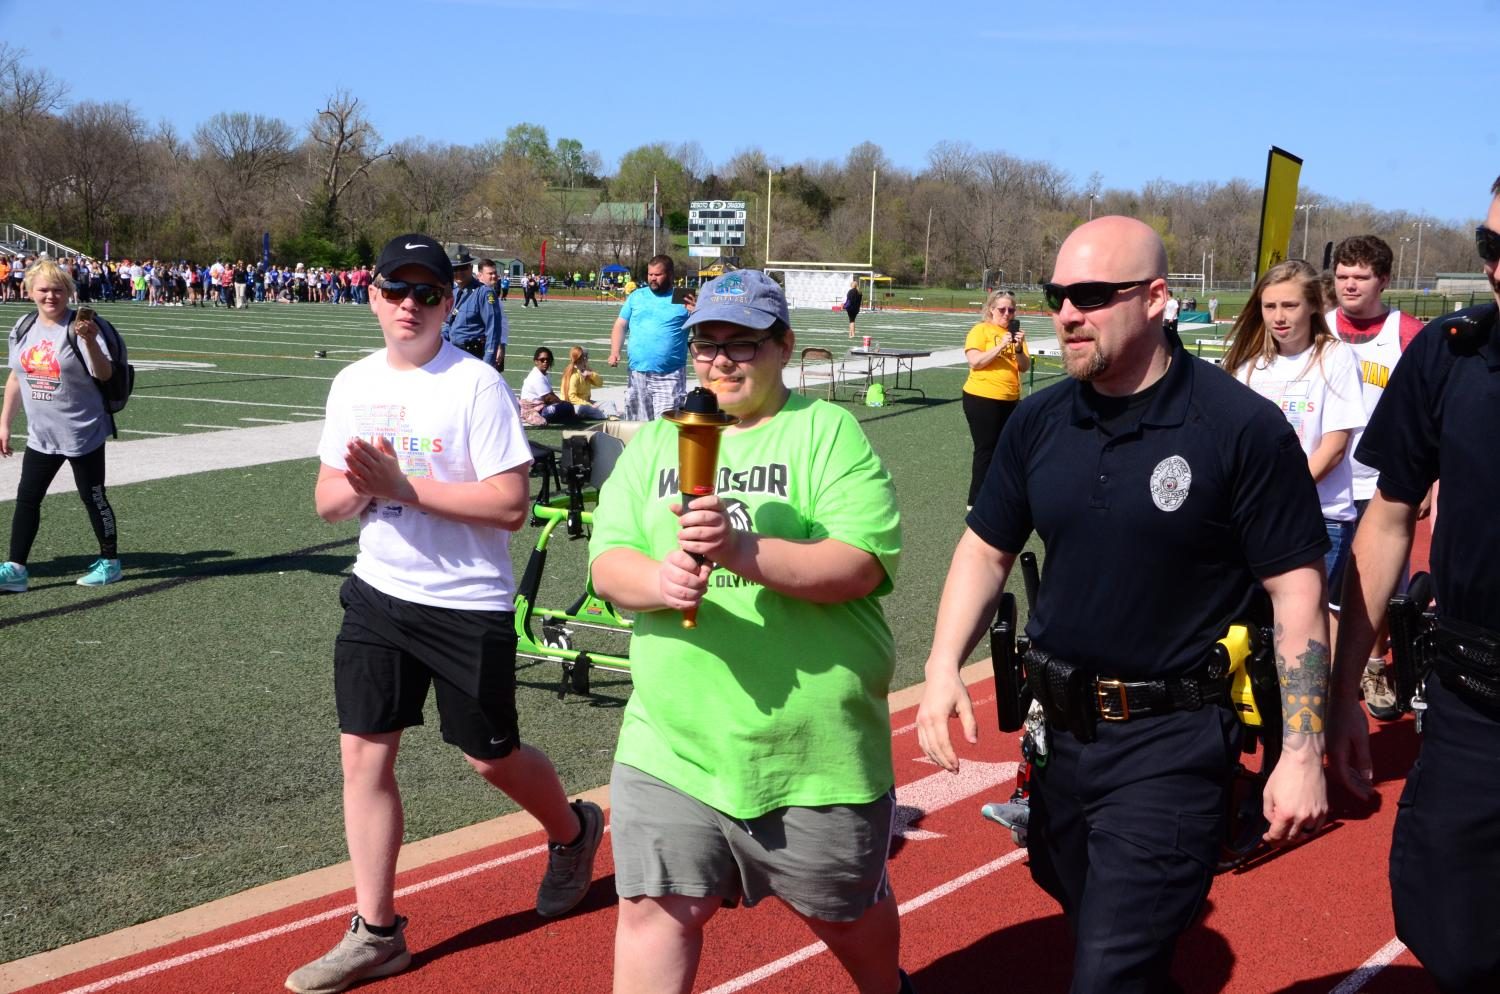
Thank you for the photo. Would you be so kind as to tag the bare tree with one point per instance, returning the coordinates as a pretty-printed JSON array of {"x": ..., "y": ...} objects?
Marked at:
[
  {"x": 102, "y": 153},
  {"x": 29, "y": 100},
  {"x": 253, "y": 149},
  {"x": 241, "y": 159},
  {"x": 437, "y": 185},
  {"x": 346, "y": 144}
]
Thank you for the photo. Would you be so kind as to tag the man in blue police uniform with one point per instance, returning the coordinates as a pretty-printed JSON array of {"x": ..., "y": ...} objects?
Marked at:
[
  {"x": 658, "y": 344},
  {"x": 477, "y": 324},
  {"x": 1439, "y": 411},
  {"x": 1163, "y": 491},
  {"x": 463, "y": 276}
]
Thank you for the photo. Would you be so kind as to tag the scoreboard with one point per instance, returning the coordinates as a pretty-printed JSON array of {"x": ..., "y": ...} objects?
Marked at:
[{"x": 716, "y": 222}]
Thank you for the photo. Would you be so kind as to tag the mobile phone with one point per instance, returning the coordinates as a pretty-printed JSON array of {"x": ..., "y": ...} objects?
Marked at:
[
  {"x": 84, "y": 314},
  {"x": 680, "y": 294}
]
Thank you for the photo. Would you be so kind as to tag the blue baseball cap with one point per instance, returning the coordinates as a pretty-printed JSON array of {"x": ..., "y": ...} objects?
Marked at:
[{"x": 746, "y": 297}]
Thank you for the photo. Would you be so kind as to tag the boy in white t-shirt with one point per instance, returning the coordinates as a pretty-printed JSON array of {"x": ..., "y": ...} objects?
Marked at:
[{"x": 424, "y": 446}]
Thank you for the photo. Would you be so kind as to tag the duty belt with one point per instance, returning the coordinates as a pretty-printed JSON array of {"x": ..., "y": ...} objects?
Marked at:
[
  {"x": 1077, "y": 700},
  {"x": 1467, "y": 659}
]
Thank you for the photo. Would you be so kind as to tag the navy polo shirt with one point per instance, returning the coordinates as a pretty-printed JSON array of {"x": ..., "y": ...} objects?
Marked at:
[
  {"x": 1156, "y": 534},
  {"x": 1438, "y": 414}
]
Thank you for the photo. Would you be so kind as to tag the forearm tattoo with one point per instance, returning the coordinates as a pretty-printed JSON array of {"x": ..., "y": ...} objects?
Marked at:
[{"x": 1304, "y": 688}]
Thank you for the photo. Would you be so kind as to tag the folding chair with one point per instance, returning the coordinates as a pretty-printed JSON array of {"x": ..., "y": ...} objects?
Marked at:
[{"x": 811, "y": 367}]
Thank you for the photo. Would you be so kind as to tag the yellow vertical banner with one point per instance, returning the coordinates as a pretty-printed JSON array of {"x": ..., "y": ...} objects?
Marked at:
[{"x": 1278, "y": 211}]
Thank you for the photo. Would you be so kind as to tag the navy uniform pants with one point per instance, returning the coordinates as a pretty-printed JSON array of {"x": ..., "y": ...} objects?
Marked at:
[
  {"x": 1445, "y": 855},
  {"x": 1125, "y": 835}
]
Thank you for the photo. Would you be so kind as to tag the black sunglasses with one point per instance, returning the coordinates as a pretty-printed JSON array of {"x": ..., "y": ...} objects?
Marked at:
[
  {"x": 707, "y": 351},
  {"x": 394, "y": 291},
  {"x": 1488, "y": 243},
  {"x": 1088, "y": 295}
]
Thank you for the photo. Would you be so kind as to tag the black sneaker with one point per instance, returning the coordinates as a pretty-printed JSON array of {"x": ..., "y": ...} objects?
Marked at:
[{"x": 570, "y": 869}]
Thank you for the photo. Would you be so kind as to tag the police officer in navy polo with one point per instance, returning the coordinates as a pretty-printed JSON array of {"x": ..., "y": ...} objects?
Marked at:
[
  {"x": 1438, "y": 412},
  {"x": 1164, "y": 492},
  {"x": 477, "y": 324}
]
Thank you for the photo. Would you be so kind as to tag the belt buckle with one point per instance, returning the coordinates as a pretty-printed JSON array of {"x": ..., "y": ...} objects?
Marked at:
[{"x": 1106, "y": 694}]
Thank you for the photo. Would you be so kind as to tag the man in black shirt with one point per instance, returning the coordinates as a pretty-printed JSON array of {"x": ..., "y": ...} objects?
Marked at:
[
  {"x": 1163, "y": 491},
  {"x": 1439, "y": 410}
]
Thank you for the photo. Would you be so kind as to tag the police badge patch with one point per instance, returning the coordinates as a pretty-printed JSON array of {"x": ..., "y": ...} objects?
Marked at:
[{"x": 1170, "y": 482}]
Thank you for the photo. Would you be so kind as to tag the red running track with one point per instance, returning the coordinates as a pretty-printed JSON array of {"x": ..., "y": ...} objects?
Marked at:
[{"x": 1310, "y": 920}]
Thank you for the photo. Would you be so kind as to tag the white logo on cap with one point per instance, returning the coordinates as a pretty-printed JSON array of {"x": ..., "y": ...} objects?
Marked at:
[
  {"x": 416, "y": 246},
  {"x": 1170, "y": 482}
]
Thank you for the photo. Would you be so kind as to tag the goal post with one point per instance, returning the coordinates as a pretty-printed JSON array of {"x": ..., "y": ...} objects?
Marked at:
[{"x": 821, "y": 285}]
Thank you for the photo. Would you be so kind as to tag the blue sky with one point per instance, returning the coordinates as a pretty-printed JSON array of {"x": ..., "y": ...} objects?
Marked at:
[{"x": 1390, "y": 103}]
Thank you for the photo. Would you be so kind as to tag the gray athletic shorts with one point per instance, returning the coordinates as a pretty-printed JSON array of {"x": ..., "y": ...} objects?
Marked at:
[{"x": 825, "y": 862}]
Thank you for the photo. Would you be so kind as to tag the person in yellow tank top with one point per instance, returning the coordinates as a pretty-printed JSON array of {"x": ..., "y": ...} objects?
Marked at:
[
  {"x": 578, "y": 383},
  {"x": 996, "y": 352}
]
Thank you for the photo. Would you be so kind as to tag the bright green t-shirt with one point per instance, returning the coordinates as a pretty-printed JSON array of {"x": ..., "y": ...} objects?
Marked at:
[{"x": 771, "y": 701}]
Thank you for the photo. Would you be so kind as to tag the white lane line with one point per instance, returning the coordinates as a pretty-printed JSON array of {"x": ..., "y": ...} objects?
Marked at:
[
  {"x": 1382, "y": 958},
  {"x": 200, "y": 370},
  {"x": 139, "y": 431},
  {"x": 808, "y": 952},
  {"x": 269, "y": 421},
  {"x": 240, "y": 403},
  {"x": 907, "y": 728},
  {"x": 151, "y": 969},
  {"x": 216, "y": 427}
]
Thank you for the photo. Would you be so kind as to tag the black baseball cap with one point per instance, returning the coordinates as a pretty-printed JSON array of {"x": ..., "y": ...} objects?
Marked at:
[{"x": 415, "y": 250}]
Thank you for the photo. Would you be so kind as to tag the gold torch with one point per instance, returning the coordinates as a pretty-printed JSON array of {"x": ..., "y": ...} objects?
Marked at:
[{"x": 699, "y": 422}]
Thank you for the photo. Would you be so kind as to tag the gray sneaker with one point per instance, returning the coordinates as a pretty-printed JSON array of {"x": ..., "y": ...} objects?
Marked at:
[
  {"x": 1014, "y": 815},
  {"x": 360, "y": 955},
  {"x": 570, "y": 869}
]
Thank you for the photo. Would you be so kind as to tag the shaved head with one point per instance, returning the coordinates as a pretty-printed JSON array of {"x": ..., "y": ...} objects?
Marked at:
[
  {"x": 1112, "y": 249},
  {"x": 1117, "y": 346}
]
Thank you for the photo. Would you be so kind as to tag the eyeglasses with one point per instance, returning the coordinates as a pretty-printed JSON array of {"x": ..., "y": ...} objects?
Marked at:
[
  {"x": 705, "y": 351},
  {"x": 1087, "y": 295},
  {"x": 394, "y": 291},
  {"x": 1488, "y": 243}
]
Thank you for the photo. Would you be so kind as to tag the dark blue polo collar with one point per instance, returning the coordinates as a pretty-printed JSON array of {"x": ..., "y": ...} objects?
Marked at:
[{"x": 1170, "y": 405}]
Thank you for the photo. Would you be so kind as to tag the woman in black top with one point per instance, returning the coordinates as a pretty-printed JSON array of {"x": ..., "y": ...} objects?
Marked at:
[{"x": 852, "y": 300}]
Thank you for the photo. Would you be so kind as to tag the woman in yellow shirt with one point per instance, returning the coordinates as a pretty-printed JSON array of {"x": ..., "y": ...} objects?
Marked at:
[
  {"x": 578, "y": 383},
  {"x": 996, "y": 351}
]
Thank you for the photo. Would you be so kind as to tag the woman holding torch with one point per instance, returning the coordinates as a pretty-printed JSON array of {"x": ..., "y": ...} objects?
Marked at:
[{"x": 754, "y": 756}]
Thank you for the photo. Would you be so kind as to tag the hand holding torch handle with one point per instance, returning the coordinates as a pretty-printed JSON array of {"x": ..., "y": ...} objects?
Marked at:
[{"x": 699, "y": 422}]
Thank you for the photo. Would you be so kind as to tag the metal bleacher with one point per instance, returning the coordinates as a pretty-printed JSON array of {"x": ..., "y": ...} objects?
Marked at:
[{"x": 16, "y": 240}]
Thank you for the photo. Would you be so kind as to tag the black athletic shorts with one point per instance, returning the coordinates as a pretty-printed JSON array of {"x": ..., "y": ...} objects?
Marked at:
[{"x": 389, "y": 650}]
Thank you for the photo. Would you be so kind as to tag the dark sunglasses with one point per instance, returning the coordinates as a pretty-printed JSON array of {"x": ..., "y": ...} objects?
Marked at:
[
  {"x": 1086, "y": 296},
  {"x": 427, "y": 295},
  {"x": 1488, "y": 243},
  {"x": 706, "y": 351}
]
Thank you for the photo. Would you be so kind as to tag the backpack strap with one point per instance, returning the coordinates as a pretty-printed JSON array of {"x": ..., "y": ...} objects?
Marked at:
[{"x": 22, "y": 327}]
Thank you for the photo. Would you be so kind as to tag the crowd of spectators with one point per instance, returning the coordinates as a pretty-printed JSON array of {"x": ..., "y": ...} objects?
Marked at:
[
  {"x": 161, "y": 283},
  {"x": 164, "y": 283}
]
